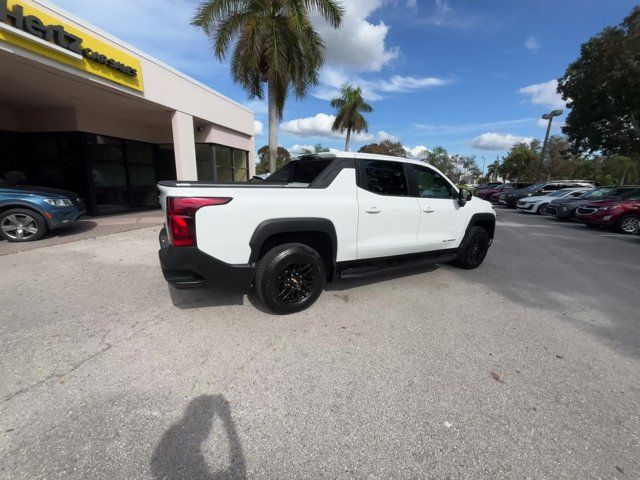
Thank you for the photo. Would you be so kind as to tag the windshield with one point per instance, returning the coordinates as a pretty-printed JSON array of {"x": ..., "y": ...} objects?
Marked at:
[
  {"x": 560, "y": 193},
  {"x": 535, "y": 186},
  {"x": 299, "y": 171},
  {"x": 599, "y": 193}
]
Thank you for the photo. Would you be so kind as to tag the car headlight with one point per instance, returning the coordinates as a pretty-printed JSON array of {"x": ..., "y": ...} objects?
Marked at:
[
  {"x": 608, "y": 207},
  {"x": 58, "y": 202}
]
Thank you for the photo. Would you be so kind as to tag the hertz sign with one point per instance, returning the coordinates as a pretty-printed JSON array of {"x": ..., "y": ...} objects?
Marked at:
[{"x": 26, "y": 27}]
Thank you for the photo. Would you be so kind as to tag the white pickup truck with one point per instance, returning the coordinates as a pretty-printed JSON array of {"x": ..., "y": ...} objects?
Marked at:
[{"x": 319, "y": 218}]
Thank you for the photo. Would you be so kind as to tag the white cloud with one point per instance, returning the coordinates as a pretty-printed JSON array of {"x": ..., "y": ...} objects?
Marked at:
[
  {"x": 497, "y": 141},
  {"x": 357, "y": 44},
  {"x": 382, "y": 135},
  {"x": 443, "y": 15},
  {"x": 332, "y": 79},
  {"x": 258, "y": 127},
  {"x": 544, "y": 94},
  {"x": 298, "y": 149},
  {"x": 320, "y": 126},
  {"x": 317, "y": 126},
  {"x": 532, "y": 43},
  {"x": 399, "y": 83},
  {"x": 416, "y": 152},
  {"x": 470, "y": 127}
]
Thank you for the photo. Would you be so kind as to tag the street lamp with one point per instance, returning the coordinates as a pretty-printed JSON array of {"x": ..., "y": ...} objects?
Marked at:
[{"x": 547, "y": 116}]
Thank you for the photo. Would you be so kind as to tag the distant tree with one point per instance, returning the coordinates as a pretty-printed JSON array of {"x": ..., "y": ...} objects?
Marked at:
[
  {"x": 272, "y": 42},
  {"x": 440, "y": 158},
  {"x": 493, "y": 171},
  {"x": 465, "y": 169},
  {"x": 458, "y": 168},
  {"x": 386, "y": 147},
  {"x": 521, "y": 163},
  {"x": 263, "y": 166},
  {"x": 602, "y": 88},
  {"x": 350, "y": 107},
  {"x": 317, "y": 148}
]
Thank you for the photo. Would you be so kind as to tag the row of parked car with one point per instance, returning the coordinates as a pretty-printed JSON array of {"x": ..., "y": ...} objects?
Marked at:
[{"x": 612, "y": 207}]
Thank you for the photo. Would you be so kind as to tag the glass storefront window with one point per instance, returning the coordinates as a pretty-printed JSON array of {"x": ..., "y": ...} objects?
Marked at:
[
  {"x": 240, "y": 165},
  {"x": 204, "y": 161}
]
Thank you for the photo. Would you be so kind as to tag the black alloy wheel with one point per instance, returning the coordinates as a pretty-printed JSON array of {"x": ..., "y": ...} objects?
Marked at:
[
  {"x": 474, "y": 249},
  {"x": 290, "y": 278}
]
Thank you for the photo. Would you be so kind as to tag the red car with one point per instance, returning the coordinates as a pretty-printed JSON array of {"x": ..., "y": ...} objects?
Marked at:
[
  {"x": 488, "y": 193},
  {"x": 621, "y": 213}
]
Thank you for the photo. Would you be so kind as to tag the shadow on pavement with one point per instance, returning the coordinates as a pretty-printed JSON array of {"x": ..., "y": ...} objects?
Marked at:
[
  {"x": 80, "y": 226},
  {"x": 587, "y": 276},
  {"x": 204, "y": 297},
  {"x": 179, "y": 455}
]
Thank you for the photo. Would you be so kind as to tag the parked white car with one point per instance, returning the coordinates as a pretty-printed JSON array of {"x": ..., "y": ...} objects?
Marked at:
[{"x": 539, "y": 204}]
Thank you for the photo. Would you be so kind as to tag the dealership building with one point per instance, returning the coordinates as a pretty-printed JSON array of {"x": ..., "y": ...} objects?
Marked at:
[{"x": 83, "y": 111}]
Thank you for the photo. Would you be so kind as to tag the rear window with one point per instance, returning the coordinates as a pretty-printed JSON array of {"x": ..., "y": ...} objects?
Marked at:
[{"x": 299, "y": 171}]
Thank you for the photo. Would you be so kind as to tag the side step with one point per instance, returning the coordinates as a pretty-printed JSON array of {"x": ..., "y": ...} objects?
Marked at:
[{"x": 387, "y": 265}]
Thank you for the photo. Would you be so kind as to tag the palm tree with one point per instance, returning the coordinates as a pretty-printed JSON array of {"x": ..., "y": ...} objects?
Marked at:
[
  {"x": 348, "y": 116},
  {"x": 493, "y": 170},
  {"x": 273, "y": 43}
]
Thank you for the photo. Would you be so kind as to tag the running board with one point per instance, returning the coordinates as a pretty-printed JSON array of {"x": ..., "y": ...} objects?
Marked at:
[{"x": 387, "y": 265}]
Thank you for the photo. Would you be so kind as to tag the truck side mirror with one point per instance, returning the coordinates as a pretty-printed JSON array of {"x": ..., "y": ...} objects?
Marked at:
[{"x": 463, "y": 197}]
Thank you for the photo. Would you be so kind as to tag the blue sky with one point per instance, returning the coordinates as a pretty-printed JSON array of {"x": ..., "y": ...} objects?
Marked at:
[{"x": 472, "y": 76}]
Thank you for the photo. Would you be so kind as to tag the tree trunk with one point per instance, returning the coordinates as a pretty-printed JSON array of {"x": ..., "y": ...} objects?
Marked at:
[
  {"x": 346, "y": 140},
  {"x": 273, "y": 128}
]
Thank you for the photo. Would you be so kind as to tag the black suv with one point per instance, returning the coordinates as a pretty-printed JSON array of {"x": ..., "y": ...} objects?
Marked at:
[{"x": 543, "y": 188}]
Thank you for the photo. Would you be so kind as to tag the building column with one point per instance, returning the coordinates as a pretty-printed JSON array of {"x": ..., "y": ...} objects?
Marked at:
[{"x": 184, "y": 146}]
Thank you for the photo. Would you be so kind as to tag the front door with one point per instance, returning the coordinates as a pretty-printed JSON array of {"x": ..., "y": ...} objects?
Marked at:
[
  {"x": 442, "y": 220},
  {"x": 387, "y": 216}
]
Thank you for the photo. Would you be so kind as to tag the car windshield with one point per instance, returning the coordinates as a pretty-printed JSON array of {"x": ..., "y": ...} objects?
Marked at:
[
  {"x": 560, "y": 193},
  {"x": 535, "y": 186},
  {"x": 299, "y": 171},
  {"x": 598, "y": 193}
]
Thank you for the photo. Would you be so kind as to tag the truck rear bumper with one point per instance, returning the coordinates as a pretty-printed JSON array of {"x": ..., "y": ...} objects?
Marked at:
[{"x": 189, "y": 267}]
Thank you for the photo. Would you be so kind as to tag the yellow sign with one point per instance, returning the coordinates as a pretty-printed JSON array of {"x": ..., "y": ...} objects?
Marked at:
[{"x": 25, "y": 26}]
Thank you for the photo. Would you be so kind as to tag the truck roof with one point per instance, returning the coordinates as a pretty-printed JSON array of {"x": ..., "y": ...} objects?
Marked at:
[{"x": 368, "y": 156}]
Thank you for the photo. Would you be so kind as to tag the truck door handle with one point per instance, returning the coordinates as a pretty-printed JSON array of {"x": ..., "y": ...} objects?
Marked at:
[
  {"x": 428, "y": 210},
  {"x": 373, "y": 210}
]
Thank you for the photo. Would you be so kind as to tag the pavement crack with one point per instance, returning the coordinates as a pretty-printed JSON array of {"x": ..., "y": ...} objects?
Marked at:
[
  {"x": 55, "y": 375},
  {"x": 79, "y": 364}
]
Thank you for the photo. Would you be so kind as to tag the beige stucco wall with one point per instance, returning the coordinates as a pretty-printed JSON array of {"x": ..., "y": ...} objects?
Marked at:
[{"x": 224, "y": 121}]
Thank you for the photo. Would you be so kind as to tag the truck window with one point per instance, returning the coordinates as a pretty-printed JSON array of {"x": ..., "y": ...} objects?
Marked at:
[
  {"x": 299, "y": 171},
  {"x": 431, "y": 184},
  {"x": 384, "y": 178}
]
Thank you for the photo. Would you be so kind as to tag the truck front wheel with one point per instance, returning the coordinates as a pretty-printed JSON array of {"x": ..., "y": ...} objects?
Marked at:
[
  {"x": 290, "y": 278},
  {"x": 473, "y": 249}
]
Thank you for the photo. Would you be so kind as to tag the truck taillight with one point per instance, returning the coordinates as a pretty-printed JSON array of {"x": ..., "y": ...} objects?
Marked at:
[{"x": 181, "y": 217}]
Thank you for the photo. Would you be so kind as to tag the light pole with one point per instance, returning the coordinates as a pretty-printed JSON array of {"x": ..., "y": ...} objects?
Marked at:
[{"x": 547, "y": 116}]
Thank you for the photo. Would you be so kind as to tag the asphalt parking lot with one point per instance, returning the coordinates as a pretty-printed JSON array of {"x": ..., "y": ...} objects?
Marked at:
[{"x": 528, "y": 367}]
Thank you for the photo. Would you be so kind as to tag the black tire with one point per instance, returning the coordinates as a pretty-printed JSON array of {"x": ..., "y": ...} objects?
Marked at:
[
  {"x": 542, "y": 209},
  {"x": 290, "y": 278},
  {"x": 629, "y": 224},
  {"x": 22, "y": 225},
  {"x": 474, "y": 249}
]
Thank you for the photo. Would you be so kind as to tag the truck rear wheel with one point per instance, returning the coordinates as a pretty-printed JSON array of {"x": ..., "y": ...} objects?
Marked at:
[{"x": 290, "y": 278}]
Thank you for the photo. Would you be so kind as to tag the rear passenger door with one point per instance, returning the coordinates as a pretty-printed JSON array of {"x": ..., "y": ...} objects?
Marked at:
[{"x": 387, "y": 216}]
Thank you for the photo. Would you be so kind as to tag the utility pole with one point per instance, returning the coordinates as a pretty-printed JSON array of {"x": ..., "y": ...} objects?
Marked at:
[{"x": 547, "y": 116}]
